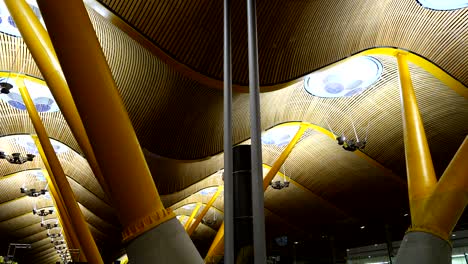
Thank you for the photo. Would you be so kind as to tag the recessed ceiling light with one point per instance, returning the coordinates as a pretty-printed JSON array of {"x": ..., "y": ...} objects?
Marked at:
[
  {"x": 443, "y": 5},
  {"x": 454, "y": 235},
  {"x": 295, "y": 242},
  {"x": 346, "y": 79},
  {"x": 362, "y": 227},
  {"x": 405, "y": 214}
]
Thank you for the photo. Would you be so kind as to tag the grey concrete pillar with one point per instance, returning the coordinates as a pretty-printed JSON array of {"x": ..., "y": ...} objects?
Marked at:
[
  {"x": 162, "y": 245},
  {"x": 424, "y": 248}
]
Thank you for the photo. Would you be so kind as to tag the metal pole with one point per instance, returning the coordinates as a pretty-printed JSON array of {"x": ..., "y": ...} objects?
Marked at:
[
  {"x": 228, "y": 158},
  {"x": 255, "y": 127}
]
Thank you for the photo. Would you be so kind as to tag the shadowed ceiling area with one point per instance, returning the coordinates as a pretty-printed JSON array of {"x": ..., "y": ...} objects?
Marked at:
[{"x": 178, "y": 115}]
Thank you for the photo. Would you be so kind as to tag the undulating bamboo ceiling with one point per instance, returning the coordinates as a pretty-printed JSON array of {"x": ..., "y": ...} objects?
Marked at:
[{"x": 178, "y": 121}]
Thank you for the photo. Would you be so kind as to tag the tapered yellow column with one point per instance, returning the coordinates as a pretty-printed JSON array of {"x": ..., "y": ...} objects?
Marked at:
[
  {"x": 450, "y": 197},
  {"x": 131, "y": 186},
  {"x": 205, "y": 210},
  {"x": 86, "y": 241},
  {"x": 420, "y": 171},
  {"x": 192, "y": 215},
  {"x": 217, "y": 247},
  {"x": 40, "y": 46}
]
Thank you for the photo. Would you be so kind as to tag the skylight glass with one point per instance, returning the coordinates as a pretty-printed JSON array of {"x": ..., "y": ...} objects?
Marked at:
[
  {"x": 8, "y": 25},
  {"x": 279, "y": 136},
  {"x": 346, "y": 79},
  {"x": 40, "y": 94},
  {"x": 443, "y": 4},
  {"x": 28, "y": 144},
  {"x": 209, "y": 191}
]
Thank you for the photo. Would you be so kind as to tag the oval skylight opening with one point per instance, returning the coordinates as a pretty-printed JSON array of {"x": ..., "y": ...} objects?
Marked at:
[
  {"x": 40, "y": 94},
  {"x": 28, "y": 144},
  {"x": 209, "y": 191},
  {"x": 443, "y": 5},
  {"x": 346, "y": 79},
  {"x": 279, "y": 136},
  {"x": 8, "y": 25}
]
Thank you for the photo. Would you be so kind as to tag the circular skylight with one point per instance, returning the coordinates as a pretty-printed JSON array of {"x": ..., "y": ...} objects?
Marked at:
[
  {"x": 189, "y": 206},
  {"x": 209, "y": 191},
  {"x": 443, "y": 5},
  {"x": 279, "y": 136},
  {"x": 8, "y": 25},
  {"x": 40, "y": 94},
  {"x": 28, "y": 144},
  {"x": 346, "y": 79}
]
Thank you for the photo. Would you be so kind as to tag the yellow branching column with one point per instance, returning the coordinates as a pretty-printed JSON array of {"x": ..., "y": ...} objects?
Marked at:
[
  {"x": 435, "y": 207},
  {"x": 205, "y": 210},
  {"x": 192, "y": 215},
  {"x": 131, "y": 187},
  {"x": 419, "y": 168},
  {"x": 60, "y": 183}
]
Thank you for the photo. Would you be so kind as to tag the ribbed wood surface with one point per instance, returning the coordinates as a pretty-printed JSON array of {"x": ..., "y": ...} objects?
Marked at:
[{"x": 297, "y": 37}]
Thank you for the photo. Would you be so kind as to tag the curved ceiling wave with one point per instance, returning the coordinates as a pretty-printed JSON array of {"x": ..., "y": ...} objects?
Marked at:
[{"x": 297, "y": 37}]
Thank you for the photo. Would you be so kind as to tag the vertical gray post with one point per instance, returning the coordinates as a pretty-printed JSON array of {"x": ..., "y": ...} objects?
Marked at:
[
  {"x": 228, "y": 178},
  {"x": 255, "y": 127}
]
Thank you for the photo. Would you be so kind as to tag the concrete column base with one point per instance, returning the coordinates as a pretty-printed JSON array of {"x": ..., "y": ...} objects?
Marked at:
[
  {"x": 424, "y": 248},
  {"x": 167, "y": 243}
]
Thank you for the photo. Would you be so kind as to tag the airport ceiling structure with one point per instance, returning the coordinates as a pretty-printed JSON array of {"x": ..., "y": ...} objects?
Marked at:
[{"x": 166, "y": 58}]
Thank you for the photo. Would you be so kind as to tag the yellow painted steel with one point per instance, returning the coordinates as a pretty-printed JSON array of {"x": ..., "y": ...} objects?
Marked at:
[
  {"x": 192, "y": 215},
  {"x": 52, "y": 163},
  {"x": 68, "y": 232},
  {"x": 284, "y": 155},
  {"x": 131, "y": 186},
  {"x": 216, "y": 250},
  {"x": 422, "y": 62},
  {"x": 420, "y": 171},
  {"x": 450, "y": 197},
  {"x": 39, "y": 44},
  {"x": 204, "y": 211}
]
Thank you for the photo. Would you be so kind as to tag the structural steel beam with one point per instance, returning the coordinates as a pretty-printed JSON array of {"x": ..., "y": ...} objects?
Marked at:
[
  {"x": 39, "y": 44},
  {"x": 60, "y": 183},
  {"x": 192, "y": 215},
  {"x": 204, "y": 211},
  {"x": 420, "y": 171}
]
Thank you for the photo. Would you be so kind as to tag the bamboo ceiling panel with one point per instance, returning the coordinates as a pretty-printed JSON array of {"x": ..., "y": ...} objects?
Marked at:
[{"x": 297, "y": 37}]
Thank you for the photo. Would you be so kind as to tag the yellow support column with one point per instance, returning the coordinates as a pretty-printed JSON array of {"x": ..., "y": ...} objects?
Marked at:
[
  {"x": 204, "y": 211},
  {"x": 419, "y": 168},
  {"x": 40, "y": 46},
  {"x": 106, "y": 121},
  {"x": 450, "y": 197},
  {"x": 217, "y": 247},
  {"x": 192, "y": 215},
  {"x": 284, "y": 155},
  {"x": 86, "y": 241}
]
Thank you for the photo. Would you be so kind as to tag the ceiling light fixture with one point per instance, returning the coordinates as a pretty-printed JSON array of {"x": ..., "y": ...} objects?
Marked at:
[
  {"x": 16, "y": 158},
  {"x": 345, "y": 79}
]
